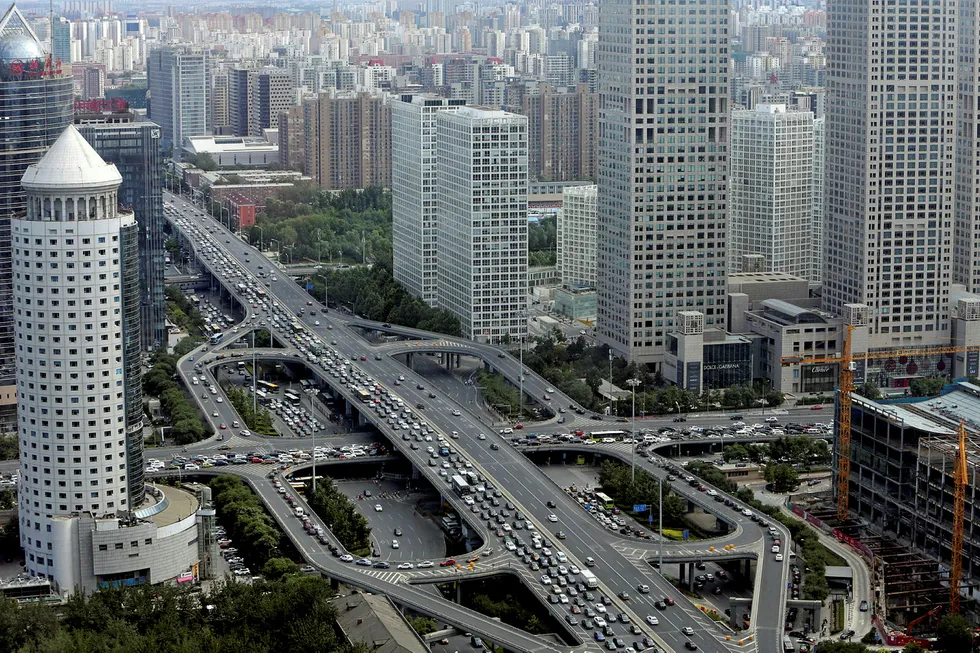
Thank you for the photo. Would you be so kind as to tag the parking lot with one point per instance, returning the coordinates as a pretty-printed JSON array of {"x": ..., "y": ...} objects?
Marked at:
[{"x": 421, "y": 538}]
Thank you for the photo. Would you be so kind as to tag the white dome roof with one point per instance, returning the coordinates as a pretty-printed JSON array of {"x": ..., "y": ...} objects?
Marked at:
[{"x": 71, "y": 163}]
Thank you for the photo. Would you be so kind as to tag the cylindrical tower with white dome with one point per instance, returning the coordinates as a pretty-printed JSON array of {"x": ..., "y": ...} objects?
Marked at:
[{"x": 76, "y": 328}]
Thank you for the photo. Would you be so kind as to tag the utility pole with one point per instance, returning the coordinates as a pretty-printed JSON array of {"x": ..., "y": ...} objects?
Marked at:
[
  {"x": 255, "y": 374},
  {"x": 633, "y": 383}
]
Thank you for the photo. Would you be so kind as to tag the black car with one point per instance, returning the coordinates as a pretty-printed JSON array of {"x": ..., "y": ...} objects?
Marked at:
[
  {"x": 420, "y": 406},
  {"x": 690, "y": 646},
  {"x": 381, "y": 564},
  {"x": 552, "y": 504}
]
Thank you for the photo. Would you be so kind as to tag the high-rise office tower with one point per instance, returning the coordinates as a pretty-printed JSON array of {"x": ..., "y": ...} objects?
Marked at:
[
  {"x": 482, "y": 185},
  {"x": 77, "y": 331},
  {"x": 577, "y": 237},
  {"x": 61, "y": 41},
  {"x": 966, "y": 248},
  {"x": 35, "y": 107},
  {"x": 178, "y": 81},
  {"x": 662, "y": 168},
  {"x": 93, "y": 83},
  {"x": 890, "y": 167},
  {"x": 770, "y": 193},
  {"x": 413, "y": 191},
  {"x": 134, "y": 148},
  {"x": 348, "y": 140}
]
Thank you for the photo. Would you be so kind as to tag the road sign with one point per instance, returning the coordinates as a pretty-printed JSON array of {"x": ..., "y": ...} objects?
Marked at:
[
  {"x": 686, "y": 534},
  {"x": 309, "y": 286},
  {"x": 651, "y": 517},
  {"x": 639, "y": 507}
]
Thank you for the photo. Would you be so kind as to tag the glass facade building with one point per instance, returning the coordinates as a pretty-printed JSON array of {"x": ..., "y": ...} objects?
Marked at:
[
  {"x": 35, "y": 107},
  {"x": 135, "y": 149}
]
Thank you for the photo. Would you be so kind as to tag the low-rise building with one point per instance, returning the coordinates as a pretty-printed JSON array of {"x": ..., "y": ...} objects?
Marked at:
[{"x": 241, "y": 151}]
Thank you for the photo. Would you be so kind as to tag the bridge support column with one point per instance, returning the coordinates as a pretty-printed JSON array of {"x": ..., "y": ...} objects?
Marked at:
[
  {"x": 459, "y": 592},
  {"x": 748, "y": 568},
  {"x": 690, "y": 577},
  {"x": 408, "y": 361},
  {"x": 682, "y": 573}
]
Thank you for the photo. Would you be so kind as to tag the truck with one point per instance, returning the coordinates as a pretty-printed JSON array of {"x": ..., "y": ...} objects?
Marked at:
[{"x": 590, "y": 579}]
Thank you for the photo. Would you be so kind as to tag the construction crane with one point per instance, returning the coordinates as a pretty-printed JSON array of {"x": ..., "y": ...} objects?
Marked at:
[
  {"x": 845, "y": 389},
  {"x": 960, "y": 479},
  {"x": 916, "y": 622}
]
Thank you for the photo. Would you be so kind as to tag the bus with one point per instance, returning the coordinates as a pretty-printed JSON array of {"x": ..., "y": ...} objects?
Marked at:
[
  {"x": 598, "y": 435},
  {"x": 216, "y": 338},
  {"x": 268, "y": 387},
  {"x": 260, "y": 292},
  {"x": 364, "y": 395},
  {"x": 296, "y": 327},
  {"x": 460, "y": 486},
  {"x": 605, "y": 500},
  {"x": 229, "y": 320},
  {"x": 291, "y": 397},
  {"x": 261, "y": 395},
  {"x": 241, "y": 288}
]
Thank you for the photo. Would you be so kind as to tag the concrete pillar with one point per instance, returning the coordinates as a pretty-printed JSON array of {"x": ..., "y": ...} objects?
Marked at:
[
  {"x": 459, "y": 592},
  {"x": 682, "y": 572},
  {"x": 408, "y": 360},
  {"x": 748, "y": 568},
  {"x": 690, "y": 577}
]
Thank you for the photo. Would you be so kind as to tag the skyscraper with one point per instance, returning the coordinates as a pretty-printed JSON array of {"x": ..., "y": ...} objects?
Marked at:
[
  {"x": 890, "y": 129},
  {"x": 348, "y": 140},
  {"x": 771, "y": 189},
  {"x": 61, "y": 41},
  {"x": 177, "y": 78},
  {"x": 35, "y": 107},
  {"x": 482, "y": 185},
  {"x": 134, "y": 148},
  {"x": 77, "y": 329},
  {"x": 662, "y": 170},
  {"x": 966, "y": 248},
  {"x": 413, "y": 191}
]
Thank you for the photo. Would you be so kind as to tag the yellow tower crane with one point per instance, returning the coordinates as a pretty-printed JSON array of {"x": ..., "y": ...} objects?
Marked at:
[
  {"x": 960, "y": 479},
  {"x": 845, "y": 389}
]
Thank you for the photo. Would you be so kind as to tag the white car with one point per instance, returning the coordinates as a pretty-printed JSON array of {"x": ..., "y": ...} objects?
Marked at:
[
  {"x": 546, "y": 580},
  {"x": 219, "y": 400},
  {"x": 599, "y": 622},
  {"x": 426, "y": 564},
  {"x": 563, "y": 599},
  {"x": 378, "y": 508},
  {"x": 456, "y": 413},
  {"x": 394, "y": 544},
  {"x": 347, "y": 558},
  {"x": 779, "y": 557},
  {"x": 687, "y": 630},
  {"x": 653, "y": 621},
  {"x": 406, "y": 565},
  {"x": 553, "y": 518},
  {"x": 600, "y": 608},
  {"x": 549, "y": 390},
  {"x": 482, "y": 437},
  {"x": 775, "y": 549}
]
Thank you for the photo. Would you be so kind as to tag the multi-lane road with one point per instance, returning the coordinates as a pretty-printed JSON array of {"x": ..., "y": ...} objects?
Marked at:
[{"x": 525, "y": 485}]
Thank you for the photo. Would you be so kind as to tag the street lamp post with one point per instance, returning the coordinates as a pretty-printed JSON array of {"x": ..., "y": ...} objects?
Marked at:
[
  {"x": 260, "y": 237},
  {"x": 255, "y": 374},
  {"x": 278, "y": 244},
  {"x": 633, "y": 383},
  {"x": 660, "y": 518},
  {"x": 312, "y": 392}
]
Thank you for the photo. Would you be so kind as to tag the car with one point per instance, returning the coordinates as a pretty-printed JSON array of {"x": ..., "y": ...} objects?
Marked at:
[
  {"x": 847, "y": 634},
  {"x": 624, "y": 596},
  {"x": 425, "y": 565},
  {"x": 669, "y": 601},
  {"x": 560, "y": 535},
  {"x": 779, "y": 557},
  {"x": 661, "y": 605},
  {"x": 406, "y": 565},
  {"x": 599, "y": 637},
  {"x": 364, "y": 562},
  {"x": 456, "y": 413},
  {"x": 222, "y": 426},
  {"x": 448, "y": 563},
  {"x": 690, "y": 646},
  {"x": 652, "y": 620},
  {"x": 775, "y": 548},
  {"x": 394, "y": 544},
  {"x": 398, "y": 532},
  {"x": 553, "y": 518},
  {"x": 687, "y": 630},
  {"x": 347, "y": 558},
  {"x": 863, "y": 607},
  {"x": 378, "y": 508},
  {"x": 643, "y": 589},
  {"x": 817, "y": 407}
]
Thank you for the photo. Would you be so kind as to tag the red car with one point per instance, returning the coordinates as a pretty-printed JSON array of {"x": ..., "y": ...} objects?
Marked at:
[
  {"x": 222, "y": 426},
  {"x": 518, "y": 426},
  {"x": 817, "y": 407},
  {"x": 473, "y": 559},
  {"x": 363, "y": 358},
  {"x": 448, "y": 563},
  {"x": 669, "y": 601}
]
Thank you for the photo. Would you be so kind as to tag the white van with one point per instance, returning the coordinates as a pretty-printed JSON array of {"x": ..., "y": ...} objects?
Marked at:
[
  {"x": 194, "y": 380},
  {"x": 299, "y": 512}
]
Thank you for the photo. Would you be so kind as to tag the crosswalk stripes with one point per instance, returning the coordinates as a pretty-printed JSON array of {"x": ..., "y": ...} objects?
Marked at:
[{"x": 386, "y": 576}]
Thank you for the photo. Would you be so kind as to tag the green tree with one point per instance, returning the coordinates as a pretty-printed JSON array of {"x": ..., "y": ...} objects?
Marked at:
[
  {"x": 954, "y": 634},
  {"x": 913, "y": 647},
  {"x": 172, "y": 245},
  {"x": 187, "y": 345},
  {"x": 926, "y": 387},
  {"x": 277, "y": 568},
  {"x": 869, "y": 390},
  {"x": 422, "y": 625},
  {"x": 782, "y": 476},
  {"x": 843, "y": 647},
  {"x": 204, "y": 161}
]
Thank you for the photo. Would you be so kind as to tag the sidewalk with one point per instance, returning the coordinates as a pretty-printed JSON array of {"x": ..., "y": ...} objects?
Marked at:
[{"x": 859, "y": 622}]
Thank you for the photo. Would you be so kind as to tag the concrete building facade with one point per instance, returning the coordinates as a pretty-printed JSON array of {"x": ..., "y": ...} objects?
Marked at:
[
  {"x": 577, "y": 237},
  {"x": 482, "y": 182},
  {"x": 563, "y": 130},
  {"x": 414, "y": 194},
  {"x": 348, "y": 140},
  {"x": 770, "y": 210},
  {"x": 662, "y": 210},
  {"x": 890, "y": 181}
]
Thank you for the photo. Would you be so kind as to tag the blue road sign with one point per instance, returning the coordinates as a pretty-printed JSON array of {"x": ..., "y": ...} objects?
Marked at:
[
  {"x": 651, "y": 517},
  {"x": 686, "y": 534},
  {"x": 309, "y": 286},
  {"x": 639, "y": 507}
]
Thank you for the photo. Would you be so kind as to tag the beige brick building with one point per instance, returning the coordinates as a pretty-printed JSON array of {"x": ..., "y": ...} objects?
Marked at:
[{"x": 348, "y": 140}]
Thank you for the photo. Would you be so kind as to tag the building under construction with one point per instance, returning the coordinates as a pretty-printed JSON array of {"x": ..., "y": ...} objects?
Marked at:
[{"x": 903, "y": 461}]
